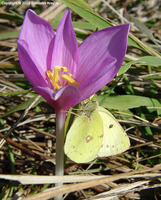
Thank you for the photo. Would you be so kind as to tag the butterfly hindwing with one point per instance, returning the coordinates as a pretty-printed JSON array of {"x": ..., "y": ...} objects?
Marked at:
[{"x": 115, "y": 139}]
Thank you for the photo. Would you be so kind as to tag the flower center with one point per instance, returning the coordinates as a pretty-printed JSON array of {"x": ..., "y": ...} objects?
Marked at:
[{"x": 58, "y": 75}]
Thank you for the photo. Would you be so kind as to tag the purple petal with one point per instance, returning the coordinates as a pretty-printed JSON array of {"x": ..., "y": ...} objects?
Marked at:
[
  {"x": 30, "y": 67},
  {"x": 62, "y": 99},
  {"x": 101, "y": 54},
  {"x": 39, "y": 35},
  {"x": 65, "y": 47},
  {"x": 104, "y": 75}
]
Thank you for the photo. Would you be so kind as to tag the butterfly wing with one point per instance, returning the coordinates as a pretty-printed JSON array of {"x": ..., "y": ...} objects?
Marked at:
[
  {"x": 84, "y": 138},
  {"x": 115, "y": 139}
]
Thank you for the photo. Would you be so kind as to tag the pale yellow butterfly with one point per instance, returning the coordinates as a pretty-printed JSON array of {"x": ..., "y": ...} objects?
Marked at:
[{"x": 95, "y": 133}]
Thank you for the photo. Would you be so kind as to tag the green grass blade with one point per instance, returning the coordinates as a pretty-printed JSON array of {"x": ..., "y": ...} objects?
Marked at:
[{"x": 124, "y": 102}]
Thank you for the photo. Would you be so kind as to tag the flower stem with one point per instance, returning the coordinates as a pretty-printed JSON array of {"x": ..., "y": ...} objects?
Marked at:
[{"x": 60, "y": 123}]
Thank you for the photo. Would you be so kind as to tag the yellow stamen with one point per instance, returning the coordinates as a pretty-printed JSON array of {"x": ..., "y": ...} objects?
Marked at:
[
  {"x": 58, "y": 68},
  {"x": 70, "y": 80},
  {"x": 54, "y": 77},
  {"x": 57, "y": 73}
]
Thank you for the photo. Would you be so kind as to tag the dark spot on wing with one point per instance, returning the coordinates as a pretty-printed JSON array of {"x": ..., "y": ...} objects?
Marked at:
[{"x": 111, "y": 125}]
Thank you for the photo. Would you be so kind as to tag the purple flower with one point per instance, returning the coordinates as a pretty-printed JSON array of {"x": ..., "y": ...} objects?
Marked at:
[{"x": 60, "y": 71}]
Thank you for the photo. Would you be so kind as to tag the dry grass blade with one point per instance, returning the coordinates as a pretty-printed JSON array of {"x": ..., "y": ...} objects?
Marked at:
[
  {"x": 120, "y": 190},
  {"x": 50, "y": 13},
  {"x": 32, "y": 179},
  {"x": 80, "y": 186}
]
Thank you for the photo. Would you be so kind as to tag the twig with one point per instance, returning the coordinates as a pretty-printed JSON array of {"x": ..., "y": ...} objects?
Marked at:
[
  {"x": 2, "y": 142},
  {"x": 22, "y": 148}
]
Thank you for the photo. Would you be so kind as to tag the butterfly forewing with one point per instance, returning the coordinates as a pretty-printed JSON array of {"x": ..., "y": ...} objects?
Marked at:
[{"x": 84, "y": 138}]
